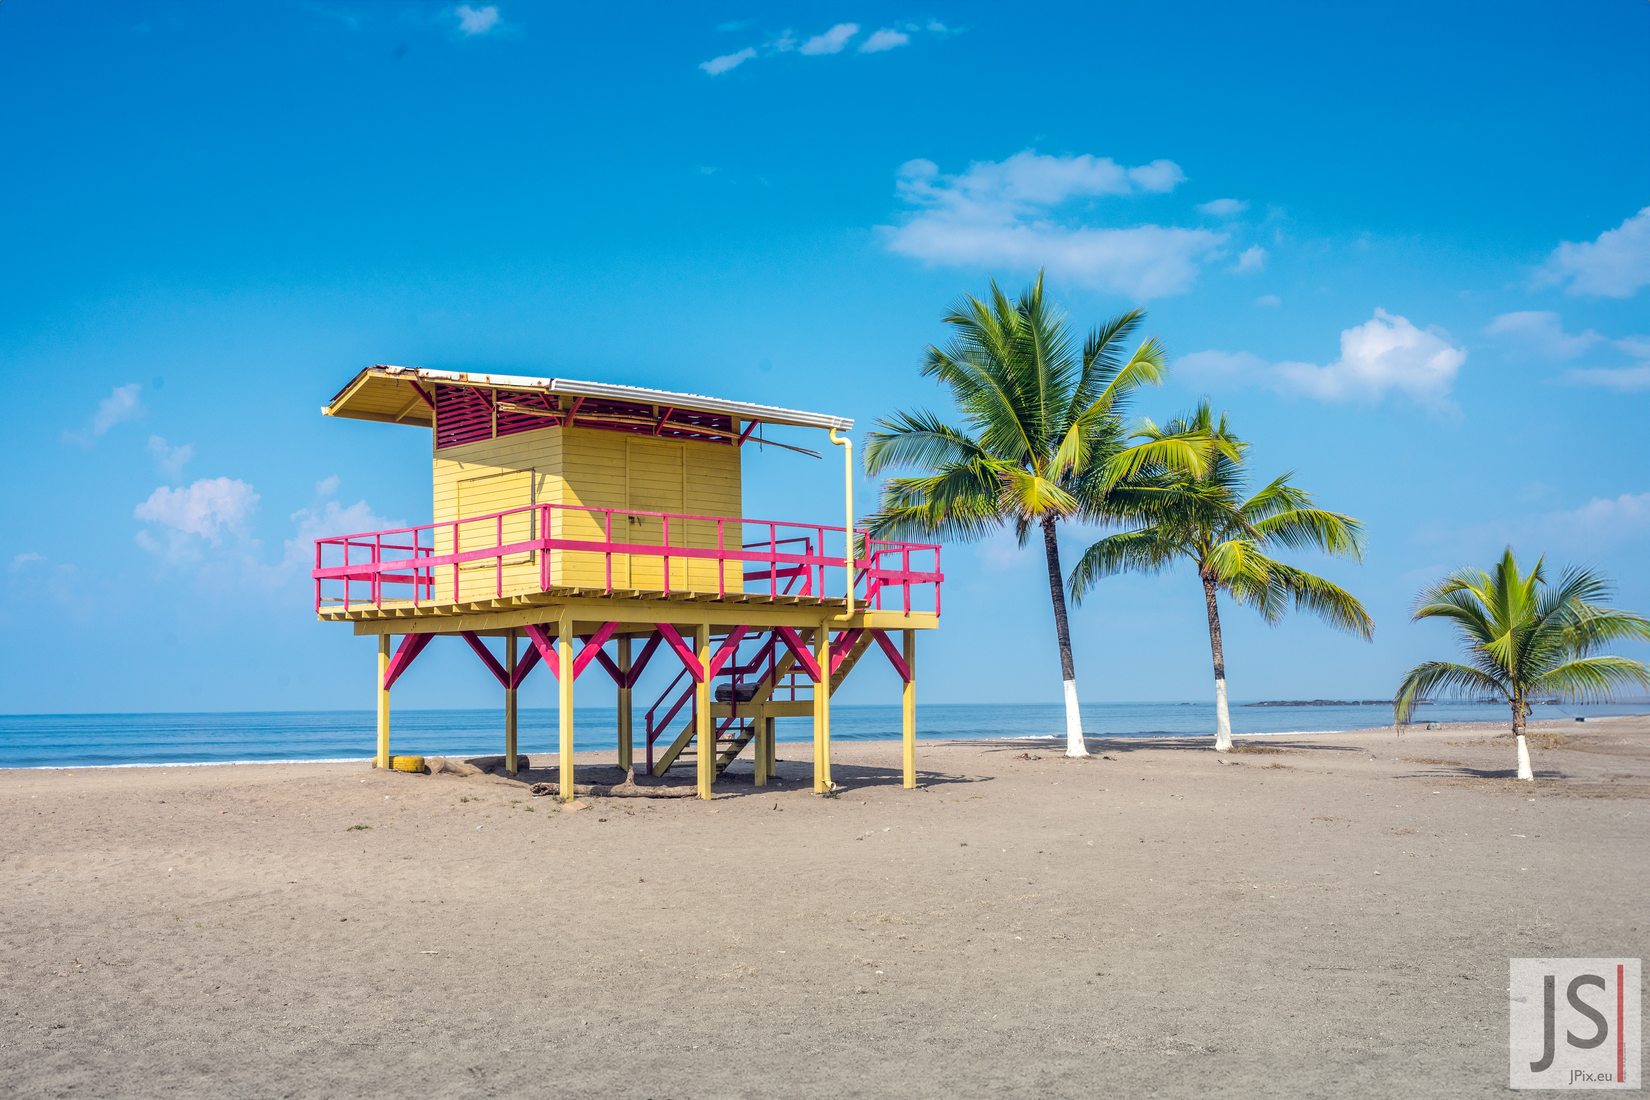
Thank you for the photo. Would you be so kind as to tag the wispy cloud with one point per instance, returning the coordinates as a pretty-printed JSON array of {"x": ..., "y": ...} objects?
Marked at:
[
  {"x": 1615, "y": 264},
  {"x": 1223, "y": 208},
  {"x": 183, "y": 522},
  {"x": 1540, "y": 334},
  {"x": 1032, "y": 210},
  {"x": 122, "y": 404},
  {"x": 887, "y": 38},
  {"x": 169, "y": 459},
  {"x": 716, "y": 66},
  {"x": 827, "y": 43},
  {"x": 473, "y": 21},
  {"x": 1251, "y": 260},
  {"x": 1385, "y": 356},
  {"x": 1621, "y": 379},
  {"x": 832, "y": 41}
]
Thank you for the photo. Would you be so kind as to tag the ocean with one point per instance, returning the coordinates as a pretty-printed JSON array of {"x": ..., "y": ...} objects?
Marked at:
[{"x": 62, "y": 740}]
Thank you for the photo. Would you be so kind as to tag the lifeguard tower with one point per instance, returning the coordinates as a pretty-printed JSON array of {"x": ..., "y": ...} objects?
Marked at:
[{"x": 584, "y": 523}]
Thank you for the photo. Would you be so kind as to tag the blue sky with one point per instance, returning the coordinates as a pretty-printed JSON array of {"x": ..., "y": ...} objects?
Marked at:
[{"x": 1408, "y": 248}]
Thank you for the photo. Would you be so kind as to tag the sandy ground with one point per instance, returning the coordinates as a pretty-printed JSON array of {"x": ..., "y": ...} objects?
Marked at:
[{"x": 1311, "y": 917}]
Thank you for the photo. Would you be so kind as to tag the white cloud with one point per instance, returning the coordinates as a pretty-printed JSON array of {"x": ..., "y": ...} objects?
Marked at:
[
  {"x": 1251, "y": 259},
  {"x": 1541, "y": 333},
  {"x": 885, "y": 39},
  {"x": 473, "y": 21},
  {"x": 327, "y": 486},
  {"x": 826, "y": 44},
  {"x": 26, "y": 559},
  {"x": 122, "y": 404},
  {"x": 1386, "y": 355},
  {"x": 1008, "y": 213},
  {"x": 716, "y": 66},
  {"x": 1270, "y": 301},
  {"x": 832, "y": 41},
  {"x": 1223, "y": 208},
  {"x": 169, "y": 459},
  {"x": 1603, "y": 518},
  {"x": 1616, "y": 264},
  {"x": 203, "y": 513},
  {"x": 324, "y": 519},
  {"x": 1620, "y": 379}
]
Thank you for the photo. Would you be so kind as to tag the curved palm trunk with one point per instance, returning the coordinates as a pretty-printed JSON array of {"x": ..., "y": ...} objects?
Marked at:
[
  {"x": 1524, "y": 769},
  {"x": 1223, "y": 715},
  {"x": 1062, "y": 631}
]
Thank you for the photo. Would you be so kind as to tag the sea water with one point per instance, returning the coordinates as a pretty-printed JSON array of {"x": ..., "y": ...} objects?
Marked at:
[{"x": 59, "y": 740}]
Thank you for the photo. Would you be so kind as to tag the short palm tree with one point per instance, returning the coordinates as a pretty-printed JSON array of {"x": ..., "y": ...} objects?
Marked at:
[
  {"x": 1041, "y": 429},
  {"x": 1525, "y": 640},
  {"x": 1204, "y": 518}
]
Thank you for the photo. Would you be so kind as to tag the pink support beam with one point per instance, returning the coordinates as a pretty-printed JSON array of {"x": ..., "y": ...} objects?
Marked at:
[
  {"x": 800, "y": 651},
  {"x": 746, "y": 434},
  {"x": 592, "y": 648},
  {"x": 895, "y": 657},
  {"x": 419, "y": 390},
  {"x": 610, "y": 667},
  {"x": 728, "y": 648},
  {"x": 411, "y": 646},
  {"x": 525, "y": 665},
  {"x": 545, "y": 646},
  {"x": 487, "y": 657},
  {"x": 684, "y": 651}
]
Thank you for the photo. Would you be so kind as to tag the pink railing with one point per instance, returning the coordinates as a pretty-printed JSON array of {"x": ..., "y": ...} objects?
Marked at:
[{"x": 520, "y": 550}]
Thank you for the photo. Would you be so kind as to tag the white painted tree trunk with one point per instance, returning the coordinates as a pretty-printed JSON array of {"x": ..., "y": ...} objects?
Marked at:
[
  {"x": 1524, "y": 769},
  {"x": 1075, "y": 746},
  {"x": 1223, "y": 717}
]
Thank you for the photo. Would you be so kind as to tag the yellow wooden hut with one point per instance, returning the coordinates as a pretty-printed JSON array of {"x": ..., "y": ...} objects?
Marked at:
[{"x": 585, "y": 523}]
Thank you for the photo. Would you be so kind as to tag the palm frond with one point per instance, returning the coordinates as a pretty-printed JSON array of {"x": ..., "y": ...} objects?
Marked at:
[
  {"x": 1442, "y": 679},
  {"x": 1593, "y": 679}
]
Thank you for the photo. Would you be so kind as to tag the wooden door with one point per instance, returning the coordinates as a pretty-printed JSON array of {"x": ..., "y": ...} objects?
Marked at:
[{"x": 655, "y": 481}]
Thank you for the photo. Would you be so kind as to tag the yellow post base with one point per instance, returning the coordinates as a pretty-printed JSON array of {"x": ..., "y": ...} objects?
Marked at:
[
  {"x": 564, "y": 703},
  {"x": 704, "y": 737},
  {"x": 822, "y": 710},
  {"x": 381, "y": 759},
  {"x": 908, "y": 712},
  {"x": 510, "y": 706}
]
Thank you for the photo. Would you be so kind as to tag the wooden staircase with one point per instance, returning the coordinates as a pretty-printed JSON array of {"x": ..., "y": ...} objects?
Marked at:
[{"x": 777, "y": 672}]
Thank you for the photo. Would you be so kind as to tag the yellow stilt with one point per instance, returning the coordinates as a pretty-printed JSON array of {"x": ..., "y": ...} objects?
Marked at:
[
  {"x": 704, "y": 737},
  {"x": 762, "y": 751},
  {"x": 626, "y": 749},
  {"x": 908, "y": 711},
  {"x": 382, "y": 758},
  {"x": 822, "y": 710},
  {"x": 564, "y": 702},
  {"x": 510, "y": 705}
]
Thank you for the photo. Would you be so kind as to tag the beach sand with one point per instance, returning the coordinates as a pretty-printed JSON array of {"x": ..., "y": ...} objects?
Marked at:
[{"x": 1327, "y": 915}]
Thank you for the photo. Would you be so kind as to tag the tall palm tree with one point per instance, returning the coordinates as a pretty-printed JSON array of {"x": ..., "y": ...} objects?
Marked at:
[
  {"x": 1525, "y": 639},
  {"x": 1041, "y": 428},
  {"x": 1204, "y": 518}
]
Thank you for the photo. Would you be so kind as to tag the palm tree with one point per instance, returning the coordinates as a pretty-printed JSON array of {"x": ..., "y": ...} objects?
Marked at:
[
  {"x": 1042, "y": 427},
  {"x": 1525, "y": 639},
  {"x": 1203, "y": 517}
]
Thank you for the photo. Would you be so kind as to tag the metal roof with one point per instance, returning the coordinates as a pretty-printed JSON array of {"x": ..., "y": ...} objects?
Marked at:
[{"x": 378, "y": 393}]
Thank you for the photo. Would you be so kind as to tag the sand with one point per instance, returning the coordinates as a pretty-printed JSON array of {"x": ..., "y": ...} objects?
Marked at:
[{"x": 1324, "y": 916}]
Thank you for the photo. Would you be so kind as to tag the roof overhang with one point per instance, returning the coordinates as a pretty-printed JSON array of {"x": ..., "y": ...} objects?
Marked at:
[{"x": 401, "y": 395}]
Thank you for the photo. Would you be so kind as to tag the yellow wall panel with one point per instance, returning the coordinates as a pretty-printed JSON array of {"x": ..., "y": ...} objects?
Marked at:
[{"x": 589, "y": 470}]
